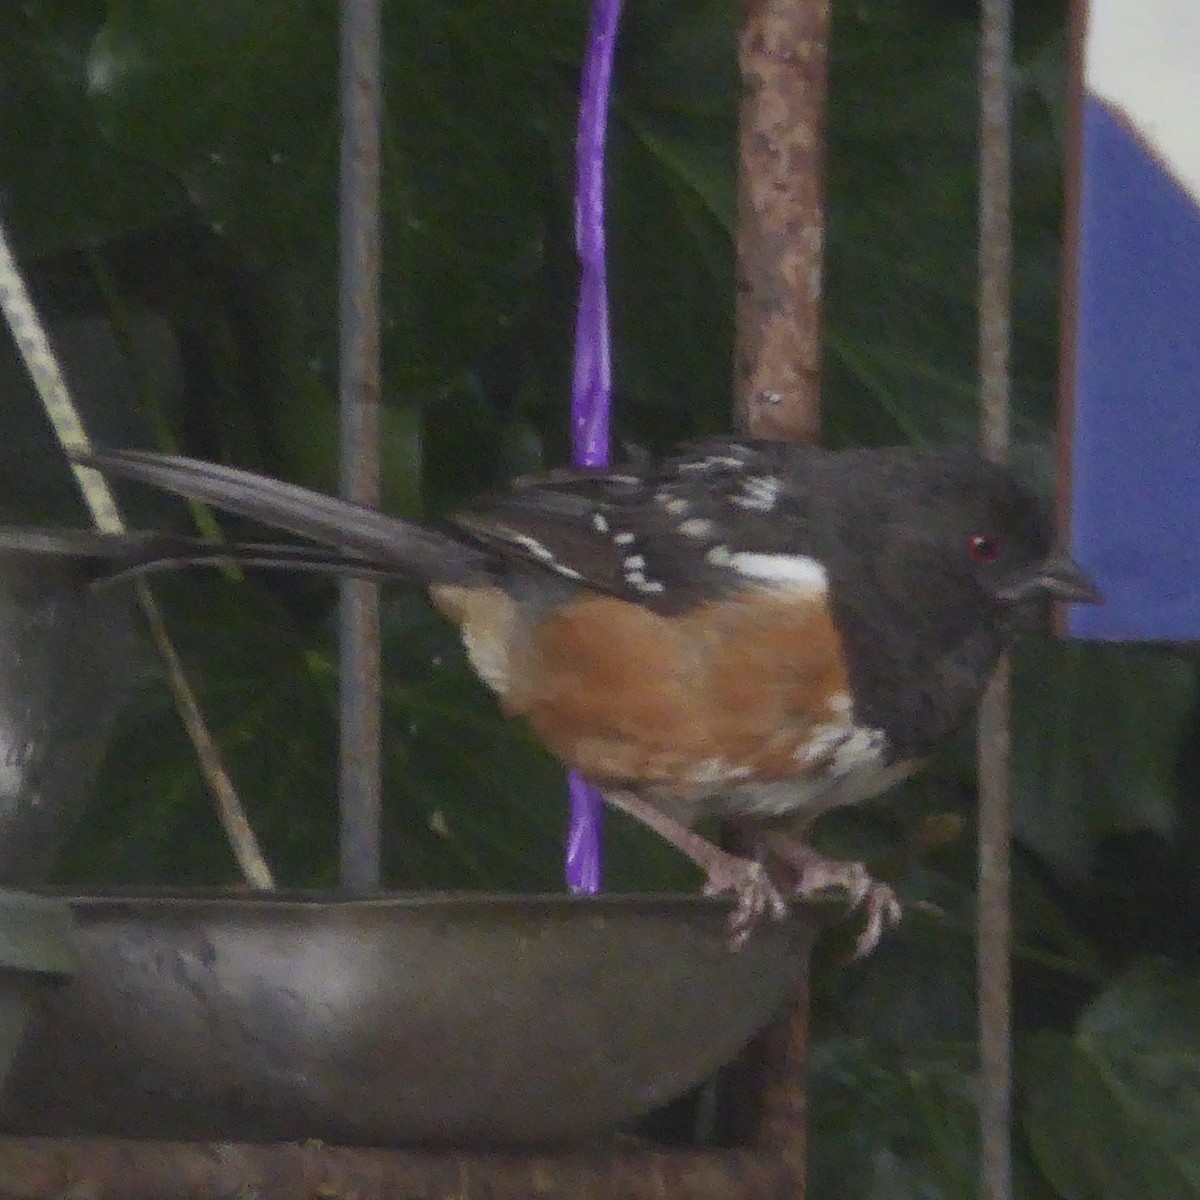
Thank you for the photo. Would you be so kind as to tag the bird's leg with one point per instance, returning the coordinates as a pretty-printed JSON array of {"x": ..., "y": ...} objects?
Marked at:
[
  {"x": 818, "y": 876},
  {"x": 743, "y": 878}
]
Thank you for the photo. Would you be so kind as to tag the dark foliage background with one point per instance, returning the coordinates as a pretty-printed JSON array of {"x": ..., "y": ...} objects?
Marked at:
[{"x": 169, "y": 171}]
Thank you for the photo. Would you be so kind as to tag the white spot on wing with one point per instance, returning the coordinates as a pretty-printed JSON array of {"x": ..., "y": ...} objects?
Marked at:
[
  {"x": 633, "y": 568},
  {"x": 759, "y": 492},
  {"x": 696, "y": 527},
  {"x": 536, "y": 548},
  {"x": 599, "y": 523},
  {"x": 637, "y": 580},
  {"x": 789, "y": 572},
  {"x": 719, "y": 556},
  {"x": 543, "y": 554}
]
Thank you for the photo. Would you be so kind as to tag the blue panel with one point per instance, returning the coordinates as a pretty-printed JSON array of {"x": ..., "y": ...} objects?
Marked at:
[{"x": 1136, "y": 441}]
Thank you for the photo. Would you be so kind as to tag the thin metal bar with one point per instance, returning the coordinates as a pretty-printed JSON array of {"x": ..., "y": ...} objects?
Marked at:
[
  {"x": 995, "y": 225},
  {"x": 360, "y": 690},
  {"x": 995, "y": 822},
  {"x": 783, "y": 55},
  {"x": 994, "y": 968}
]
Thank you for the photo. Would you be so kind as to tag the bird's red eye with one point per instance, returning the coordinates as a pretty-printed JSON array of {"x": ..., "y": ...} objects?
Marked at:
[{"x": 983, "y": 549}]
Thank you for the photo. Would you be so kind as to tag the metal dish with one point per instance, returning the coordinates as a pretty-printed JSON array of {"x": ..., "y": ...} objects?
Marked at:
[
  {"x": 64, "y": 652},
  {"x": 471, "y": 1020}
]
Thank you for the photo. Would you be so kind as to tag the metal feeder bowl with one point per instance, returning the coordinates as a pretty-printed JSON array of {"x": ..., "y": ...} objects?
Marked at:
[{"x": 465, "y": 1019}]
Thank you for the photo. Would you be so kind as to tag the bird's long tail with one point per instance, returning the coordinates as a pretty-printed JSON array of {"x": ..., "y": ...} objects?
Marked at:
[
  {"x": 106, "y": 558},
  {"x": 361, "y": 541}
]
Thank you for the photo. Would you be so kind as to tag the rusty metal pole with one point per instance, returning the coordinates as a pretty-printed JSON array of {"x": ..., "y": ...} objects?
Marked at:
[
  {"x": 782, "y": 54},
  {"x": 994, "y": 974},
  {"x": 360, "y": 684},
  {"x": 113, "y": 1169}
]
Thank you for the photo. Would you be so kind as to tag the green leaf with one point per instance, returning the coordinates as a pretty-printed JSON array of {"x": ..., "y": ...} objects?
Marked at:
[
  {"x": 1096, "y": 733},
  {"x": 900, "y": 326},
  {"x": 672, "y": 209},
  {"x": 1111, "y": 1111},
  {"x": 65, "y": 183},
  {"x": 238, "y": 102},
  {"x": 891, "y": 1124}
]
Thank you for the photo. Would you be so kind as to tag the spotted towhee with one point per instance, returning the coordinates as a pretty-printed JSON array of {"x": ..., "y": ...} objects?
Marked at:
[{"x": 749, "y": 630}]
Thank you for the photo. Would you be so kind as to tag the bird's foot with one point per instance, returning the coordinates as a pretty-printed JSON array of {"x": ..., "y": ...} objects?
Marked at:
[
  {"x": 747, "y": 881},
  {"x": 818, "y": 877},
  {"x": 750, "y": 885}
]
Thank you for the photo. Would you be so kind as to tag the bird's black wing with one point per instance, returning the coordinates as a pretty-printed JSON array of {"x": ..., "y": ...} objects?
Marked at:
[
  {"x": 721, "y": 515},
  {"x": 718, "y": 516}
]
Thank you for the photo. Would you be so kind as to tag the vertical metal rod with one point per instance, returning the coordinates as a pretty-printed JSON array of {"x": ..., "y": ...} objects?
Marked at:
[
  {"x": 783, "y": 56},
  {"x": 995, "y": 822},
  {"x": 359, "y": 677},
  {"x": 994, "y": 973},
  {"x": 783, "y": 53}
]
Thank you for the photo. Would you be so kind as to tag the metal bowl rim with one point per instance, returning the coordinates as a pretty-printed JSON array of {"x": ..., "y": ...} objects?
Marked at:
[{"x": 548, "y": 903}]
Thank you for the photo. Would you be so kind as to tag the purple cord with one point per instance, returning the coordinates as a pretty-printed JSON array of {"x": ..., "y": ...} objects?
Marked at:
[{"x": 591, "y": 390}]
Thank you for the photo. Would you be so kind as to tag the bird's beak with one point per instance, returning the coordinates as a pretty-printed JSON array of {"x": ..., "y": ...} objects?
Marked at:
[{"x": 1059, "y": 577}]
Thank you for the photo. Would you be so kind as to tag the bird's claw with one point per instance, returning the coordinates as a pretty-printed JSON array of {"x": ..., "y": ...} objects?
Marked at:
[
  {"x": 883, "y": 912},
  {"x": 756, "y": 896},
  {"x": 819, "y": 877}
]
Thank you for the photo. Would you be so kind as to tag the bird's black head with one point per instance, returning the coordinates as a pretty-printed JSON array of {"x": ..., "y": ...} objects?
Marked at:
[
  {"x": 969, "y": 530},
  {"x": 942, "y": 557}
]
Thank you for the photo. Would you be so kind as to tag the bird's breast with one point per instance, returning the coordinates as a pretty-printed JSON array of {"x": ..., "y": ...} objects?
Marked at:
[{"x": 737, "y": 692}]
